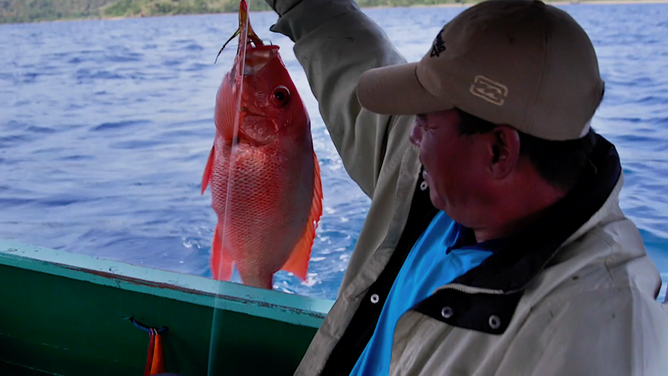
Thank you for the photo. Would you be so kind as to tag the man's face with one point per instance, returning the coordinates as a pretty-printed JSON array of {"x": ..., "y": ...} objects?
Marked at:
[{"x": 454, "y": 165}]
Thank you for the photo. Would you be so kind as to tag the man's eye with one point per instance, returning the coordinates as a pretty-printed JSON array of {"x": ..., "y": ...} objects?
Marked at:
[{"x": 421, "y": 121}]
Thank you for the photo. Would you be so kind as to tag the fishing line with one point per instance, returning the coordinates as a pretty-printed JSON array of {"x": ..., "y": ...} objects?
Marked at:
[{"x": 216, "y": 324}]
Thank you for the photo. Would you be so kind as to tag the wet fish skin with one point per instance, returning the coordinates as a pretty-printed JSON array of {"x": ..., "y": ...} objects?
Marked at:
[{"x": 264, "y": 176}]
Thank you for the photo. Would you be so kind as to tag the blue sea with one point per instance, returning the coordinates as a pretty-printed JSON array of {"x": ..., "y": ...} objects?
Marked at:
[{"x": 106, "y": 126}]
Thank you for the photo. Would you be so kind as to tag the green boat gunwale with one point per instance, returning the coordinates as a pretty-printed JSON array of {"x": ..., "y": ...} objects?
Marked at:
[{"x": 228, "y": 296}]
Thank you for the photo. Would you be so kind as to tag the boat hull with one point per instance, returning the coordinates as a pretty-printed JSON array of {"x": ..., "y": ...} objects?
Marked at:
[{"x": 67, "y": 314}]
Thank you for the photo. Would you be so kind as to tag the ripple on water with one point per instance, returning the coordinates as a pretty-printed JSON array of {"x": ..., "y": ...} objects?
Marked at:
[
  {"x": 135, "y": 144},
  {"x": 119, "y": 125},
  {"x": 129, "y": 58},
  {"x": 14, "y": 140},
  {"x": 87, "y": 74},
  {"x": 193, "y": 47}
]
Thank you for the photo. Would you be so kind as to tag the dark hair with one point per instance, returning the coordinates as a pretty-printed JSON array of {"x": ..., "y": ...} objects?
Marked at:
[{"x": 560, "y": 163}]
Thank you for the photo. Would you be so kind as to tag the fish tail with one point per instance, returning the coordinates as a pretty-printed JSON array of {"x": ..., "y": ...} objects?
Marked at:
[
  {"x": 221, "y": 262},
  {"x": 244, "y": 20},
  {"x": 263, "y": 282},
  {"x": 244, "y": 24},
  {"x": 299, "y": 259}
]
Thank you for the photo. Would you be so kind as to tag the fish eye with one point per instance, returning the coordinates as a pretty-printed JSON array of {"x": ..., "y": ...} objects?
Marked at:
[{"x": 280, "y": 96}]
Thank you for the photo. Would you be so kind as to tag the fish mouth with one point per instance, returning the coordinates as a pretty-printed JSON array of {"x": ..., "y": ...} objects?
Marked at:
[{"x": 257, "y": 58}]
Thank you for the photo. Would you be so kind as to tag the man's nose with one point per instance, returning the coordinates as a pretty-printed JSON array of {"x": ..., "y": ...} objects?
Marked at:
[{"x": 416, "y": 134}]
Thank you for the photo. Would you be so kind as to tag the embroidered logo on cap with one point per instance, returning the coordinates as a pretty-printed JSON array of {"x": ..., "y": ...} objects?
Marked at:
[
  {"x": 489, "y": 90},
  {"x": 438, "y": 46}
]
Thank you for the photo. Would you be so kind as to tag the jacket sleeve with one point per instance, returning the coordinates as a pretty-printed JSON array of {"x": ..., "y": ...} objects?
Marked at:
[
  {"x": 336, "y": 42},
  {"x": 612, "y": 332}
]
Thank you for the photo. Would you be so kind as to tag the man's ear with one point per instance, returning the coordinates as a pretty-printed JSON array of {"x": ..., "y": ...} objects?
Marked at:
[{"x": 504, "y": 151}]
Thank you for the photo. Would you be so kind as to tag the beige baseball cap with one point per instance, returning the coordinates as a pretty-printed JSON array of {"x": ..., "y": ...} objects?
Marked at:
[{"x": 516, "y": 62}]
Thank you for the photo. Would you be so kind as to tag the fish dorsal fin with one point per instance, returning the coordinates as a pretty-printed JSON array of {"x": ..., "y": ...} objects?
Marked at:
[
  {"x": 208, "y": 170},
  {"x": 299, "y": 259}
]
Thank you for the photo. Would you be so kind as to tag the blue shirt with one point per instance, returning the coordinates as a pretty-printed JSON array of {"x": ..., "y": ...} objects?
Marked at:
[{"x": 431, "y": 263}]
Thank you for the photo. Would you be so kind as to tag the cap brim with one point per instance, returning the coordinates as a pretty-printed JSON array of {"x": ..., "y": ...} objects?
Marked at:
[{"x": 396, "y": 90}]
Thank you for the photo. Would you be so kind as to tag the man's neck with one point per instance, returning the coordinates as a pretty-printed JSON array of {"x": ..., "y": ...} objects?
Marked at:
[{"x": 516, "y": 212}]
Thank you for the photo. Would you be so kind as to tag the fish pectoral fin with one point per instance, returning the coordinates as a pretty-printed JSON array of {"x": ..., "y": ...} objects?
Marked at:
[
  {"x": 208, "y": 170},
  {"x": 299, "y": 259},
  {"x": 227, "y": 118},
  {"x": 221, "y": 260}
]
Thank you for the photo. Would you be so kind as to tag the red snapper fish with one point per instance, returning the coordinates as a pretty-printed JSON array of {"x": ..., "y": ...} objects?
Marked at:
[{"x": 264, "y": 174}]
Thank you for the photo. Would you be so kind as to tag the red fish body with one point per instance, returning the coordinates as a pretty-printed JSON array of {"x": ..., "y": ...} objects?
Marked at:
[{"x": 264, "y": 175}]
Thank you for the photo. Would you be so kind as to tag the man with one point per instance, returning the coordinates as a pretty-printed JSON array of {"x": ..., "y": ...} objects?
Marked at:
[{"x": 494, "y": 244}]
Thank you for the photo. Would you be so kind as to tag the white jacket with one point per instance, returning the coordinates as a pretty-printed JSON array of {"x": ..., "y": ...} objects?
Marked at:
[{"x": 582, "y": 306}]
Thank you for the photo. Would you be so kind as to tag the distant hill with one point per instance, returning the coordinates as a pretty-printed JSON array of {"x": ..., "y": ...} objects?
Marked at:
[
  {"x": 15, "y": 11},
  {"x": 133, "y": 8},
  {"x": 12, "y": 11}
]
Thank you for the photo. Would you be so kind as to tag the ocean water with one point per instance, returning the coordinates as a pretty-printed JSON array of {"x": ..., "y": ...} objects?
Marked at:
[{"x": 106, "y": 126}]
